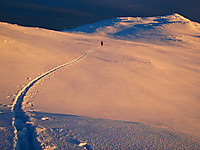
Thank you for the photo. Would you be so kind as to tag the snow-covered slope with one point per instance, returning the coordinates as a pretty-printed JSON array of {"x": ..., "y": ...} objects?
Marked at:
[
  {"x": 146, "y": 76},
  {"x": 25, "y": 54},
  {"x": 166, "y": 29}
]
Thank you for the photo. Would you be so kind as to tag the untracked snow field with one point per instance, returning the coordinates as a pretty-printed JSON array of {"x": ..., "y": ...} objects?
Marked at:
[{"x": 138, "y": 91}]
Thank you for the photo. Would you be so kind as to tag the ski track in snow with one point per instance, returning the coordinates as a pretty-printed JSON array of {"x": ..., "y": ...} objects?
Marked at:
[{"x": 25, "y": 135}]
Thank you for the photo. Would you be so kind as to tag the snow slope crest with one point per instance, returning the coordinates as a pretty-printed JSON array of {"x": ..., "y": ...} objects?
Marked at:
[{"x": 169, "y": 28}]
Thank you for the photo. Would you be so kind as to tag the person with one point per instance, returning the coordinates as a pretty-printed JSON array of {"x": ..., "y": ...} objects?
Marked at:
[{"x": 101, "y": 43}]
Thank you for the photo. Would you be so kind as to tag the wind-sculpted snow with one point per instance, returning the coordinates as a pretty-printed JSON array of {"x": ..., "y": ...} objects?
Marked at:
[
  {"x": 25, "y": 135},
  {"x": 73, "y": 132},
  {"x": 121, "y": 24},
  {"x": 152, "y": 29}
]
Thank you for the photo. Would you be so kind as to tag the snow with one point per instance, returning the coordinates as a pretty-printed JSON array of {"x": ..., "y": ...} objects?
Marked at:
[
  {"x": 20, "y": 120},
  {"x": 45, "y": 118},
  {"x": 82, "y": 144},
  {"x": 68, "y": 131},
  {"x": 161, "y": 29},
  {"x": 146, "y": 72}
]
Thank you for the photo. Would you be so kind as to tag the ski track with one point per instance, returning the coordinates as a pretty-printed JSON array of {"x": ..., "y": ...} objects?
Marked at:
[{"x": 25, "y": 135}]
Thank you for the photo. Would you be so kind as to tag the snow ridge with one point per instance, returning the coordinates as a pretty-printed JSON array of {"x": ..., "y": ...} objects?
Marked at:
[
  {"x": 25, "y": 135},
  {"x": 167, "y": 29},
  {"x": 119, "y": 25}
]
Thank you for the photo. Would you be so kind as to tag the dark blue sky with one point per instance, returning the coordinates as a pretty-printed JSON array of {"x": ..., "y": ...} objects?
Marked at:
[{"x": 61, "y": 14}]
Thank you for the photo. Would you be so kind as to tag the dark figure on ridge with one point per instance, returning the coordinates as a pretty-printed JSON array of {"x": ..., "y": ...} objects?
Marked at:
[{"x": 101, "y": 43}]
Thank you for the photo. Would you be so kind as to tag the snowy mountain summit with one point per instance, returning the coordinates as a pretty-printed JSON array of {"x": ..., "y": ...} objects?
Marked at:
[{"x": 170, "y": 28}]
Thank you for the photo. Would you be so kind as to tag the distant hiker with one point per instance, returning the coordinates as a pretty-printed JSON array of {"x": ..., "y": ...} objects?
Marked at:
[{"x": 101, "y": 43}]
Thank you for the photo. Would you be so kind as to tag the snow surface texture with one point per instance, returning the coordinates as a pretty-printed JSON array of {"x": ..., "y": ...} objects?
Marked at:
[
  {"x": 25, "y": 134},
  {"x": 6, "y": 129},
  {"x": 71, "y": 132},
  {"x": 165, "y": 29},
  {"x": 147, "y": 74}
]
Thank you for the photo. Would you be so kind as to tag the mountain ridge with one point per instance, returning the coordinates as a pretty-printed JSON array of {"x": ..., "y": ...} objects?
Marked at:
[{"x": 160, "y": 29}]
